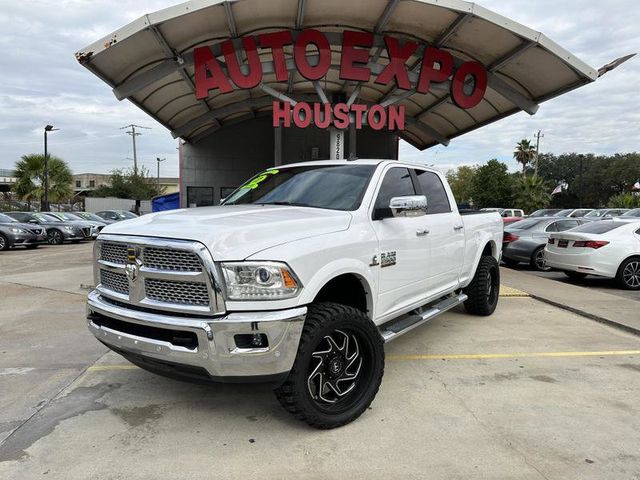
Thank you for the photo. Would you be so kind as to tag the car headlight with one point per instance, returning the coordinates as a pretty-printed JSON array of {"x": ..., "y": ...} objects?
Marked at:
[
  {"x": 70, "y": 228},
  {"x": 259, "y": 281},
  {"x": 18, "y": 230}
]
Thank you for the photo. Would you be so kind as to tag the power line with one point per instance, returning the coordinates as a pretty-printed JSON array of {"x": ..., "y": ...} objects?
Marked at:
[{"x": 134, "y": 134}]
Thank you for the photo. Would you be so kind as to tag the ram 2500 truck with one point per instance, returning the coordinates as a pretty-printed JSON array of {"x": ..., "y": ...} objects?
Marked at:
[{"x": 299, "y": 279}]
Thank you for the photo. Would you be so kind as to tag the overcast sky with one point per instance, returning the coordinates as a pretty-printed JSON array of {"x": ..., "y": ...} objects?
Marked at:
[{"x": 40, "y": 83}]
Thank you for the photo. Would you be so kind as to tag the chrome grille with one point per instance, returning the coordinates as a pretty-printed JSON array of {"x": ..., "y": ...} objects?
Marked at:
[
  {"x": 170, "y": 259},
  {"x": 114, "y": 253},
  {"x": 114, "y": 281},
  {"x": 182, "y": 293}
]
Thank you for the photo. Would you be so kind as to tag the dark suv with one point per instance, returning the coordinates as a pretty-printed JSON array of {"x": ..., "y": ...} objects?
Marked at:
[
  {"x": 57, "y": 231},
  {"x": 16, "y": 234}
]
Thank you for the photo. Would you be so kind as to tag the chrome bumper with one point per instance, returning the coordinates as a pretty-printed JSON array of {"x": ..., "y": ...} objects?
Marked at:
[{"x": 216, "y": 350}]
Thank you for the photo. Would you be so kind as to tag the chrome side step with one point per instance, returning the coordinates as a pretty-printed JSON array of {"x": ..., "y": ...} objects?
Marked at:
[{"x": 408, "y": 322}]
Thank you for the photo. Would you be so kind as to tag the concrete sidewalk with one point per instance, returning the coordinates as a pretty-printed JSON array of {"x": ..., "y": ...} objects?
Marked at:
[{"x": 603, "y": 307}]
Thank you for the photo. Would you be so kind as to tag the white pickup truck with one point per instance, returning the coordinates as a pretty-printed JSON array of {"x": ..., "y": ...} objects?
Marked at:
[{"x": 299, "y": 279}]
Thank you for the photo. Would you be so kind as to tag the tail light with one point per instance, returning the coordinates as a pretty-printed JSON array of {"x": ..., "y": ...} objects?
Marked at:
[
  {"x": 595, "y": 244},
  {"x": 552, "y": 241},
  {"x": 509, "y": 237}
]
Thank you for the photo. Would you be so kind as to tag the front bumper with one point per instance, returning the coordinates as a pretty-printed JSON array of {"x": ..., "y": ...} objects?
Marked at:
[
  {"x": 145, "y": 338},
  {"x": 24, "y": 239}
]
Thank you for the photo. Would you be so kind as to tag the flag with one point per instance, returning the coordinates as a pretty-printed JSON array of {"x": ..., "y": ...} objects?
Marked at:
[
  {"x": 557, "y": 190},
  {"x": 636, "y": 186}
]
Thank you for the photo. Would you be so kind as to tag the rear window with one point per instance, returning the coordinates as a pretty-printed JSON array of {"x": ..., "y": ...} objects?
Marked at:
[
  {"x": 525, "y": 224},
  {"x": 598, "y": 227}
]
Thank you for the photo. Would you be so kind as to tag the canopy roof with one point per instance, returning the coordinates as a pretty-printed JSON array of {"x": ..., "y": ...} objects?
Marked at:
[{"x": 150, "y": 62}]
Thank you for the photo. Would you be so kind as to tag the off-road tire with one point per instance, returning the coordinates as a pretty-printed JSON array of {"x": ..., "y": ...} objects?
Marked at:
[
  {"x": 575, "y": 275},
  {"x": 324, "y": 319},
  {"x": 627, "y": 276},
  {"x": 4, "y": 242},
  {"x": 534, "y": 260},
  {"x": 484, "y": 289}
]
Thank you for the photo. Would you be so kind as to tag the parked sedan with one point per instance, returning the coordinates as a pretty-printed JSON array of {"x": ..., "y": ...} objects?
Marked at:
[
  {"x": 57, "y": 231},
  {"x": 71, "y": 217},
  {"x": 635, "y": 213},
  {"x": 573, "y": 212},
  {"x": 16, "y": 234},
  {"x": 525, "y": 240},
  {"x": 607, "y": 248},
  {"x": 602, "y": 213},
  {"x": 112, "y": 216},
  {"x": 545, "y": 212}
]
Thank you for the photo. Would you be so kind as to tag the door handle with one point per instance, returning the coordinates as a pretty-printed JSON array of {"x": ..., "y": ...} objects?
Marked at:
[
  {"x": 458, "y": 227},
  {"x": 421, "y": 232}
]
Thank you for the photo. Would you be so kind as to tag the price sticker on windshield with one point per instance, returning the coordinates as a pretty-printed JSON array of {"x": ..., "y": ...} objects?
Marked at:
[{"x": 255, "y": 183}]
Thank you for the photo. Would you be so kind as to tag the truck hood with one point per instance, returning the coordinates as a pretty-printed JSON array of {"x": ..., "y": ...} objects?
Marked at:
[{"x": 236, "y": 232}]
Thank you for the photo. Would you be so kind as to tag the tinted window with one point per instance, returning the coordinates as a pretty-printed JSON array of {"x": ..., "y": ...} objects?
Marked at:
[
  {"x": 580, "y": 213},
  {"x": 397, "y": 183},
  {"x": 6, "y": 218},
  {"x": 564, "y": 213},
  {"x": 432, "y": 188},
  {"x": 552, "y": 227},
  {"x": 335, "y": 187},
  {"x": 598, "y": 227},
  {"x": 517, "y": 213},
  {"x": 632, "y": 213},
  {"x": 23, "y": 217},
  {"x": 566, "y": 225},
  {"x": 525, "y": 224}
]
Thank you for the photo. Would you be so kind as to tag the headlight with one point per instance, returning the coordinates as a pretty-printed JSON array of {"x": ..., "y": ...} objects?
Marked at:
[
  {"x": 259, "y": 281},
  {"x": 71, "y": 229},
  {"x": 18, "y": 230}
]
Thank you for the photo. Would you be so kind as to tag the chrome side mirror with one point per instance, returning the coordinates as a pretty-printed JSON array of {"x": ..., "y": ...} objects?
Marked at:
[{"x": 408, "y": 206}]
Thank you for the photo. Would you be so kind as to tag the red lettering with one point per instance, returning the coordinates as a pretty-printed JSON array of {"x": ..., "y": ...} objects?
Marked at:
[
  {"x": 397, "y": 68},
  {"x": 302, "y": 121},
  {"x": 321, "y": 119},
  {"x": 281, "y": 112},
  {"x": 434, "y": 56},
  {"x": 276, "y": 41},
  {"x": 479, "y": 74},
  {"x": 354, "y": 60},
  {"x": 396, "y": 117},
  {"x": 377, "y": 117},
  {"x": 254, "y": 75},
  {"x": 308, "y": 71},
  {"x": 205, "y": 63},
  {"x": 341, "y": 115},
  {"x": 359, "y": 111}
]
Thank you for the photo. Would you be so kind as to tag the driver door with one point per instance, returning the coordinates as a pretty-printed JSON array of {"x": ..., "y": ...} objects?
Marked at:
[{"x": 403, "y": 247}]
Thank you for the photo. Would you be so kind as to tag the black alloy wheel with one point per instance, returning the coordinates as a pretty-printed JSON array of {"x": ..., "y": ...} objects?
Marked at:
[
  {"x": 4, "y": 243},
  {"x": 54, "y": 237}
]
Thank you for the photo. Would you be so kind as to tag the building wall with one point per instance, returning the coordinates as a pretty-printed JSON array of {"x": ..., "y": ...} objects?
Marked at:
[{"x": 228, "y": 157}]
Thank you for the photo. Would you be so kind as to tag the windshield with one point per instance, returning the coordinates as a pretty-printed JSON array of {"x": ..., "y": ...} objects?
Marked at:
[
  {"x": 564, "y": 213},
  {"x": 89, "y": 216},
  {"x": 632, "y": 213},
  {"x": 69, "y": 216},
  {"x": 43, "y": 218},
  {"x": 6, "y": 219},
  {"x": 525, "y": 224},
  {"x": 334, "y": 187},
  {"x": 595, "y": 213},
  {"x": 125, "y": 214}
]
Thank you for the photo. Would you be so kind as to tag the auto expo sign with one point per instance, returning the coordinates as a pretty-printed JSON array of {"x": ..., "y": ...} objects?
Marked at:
[{"x": 312, "y": 59}]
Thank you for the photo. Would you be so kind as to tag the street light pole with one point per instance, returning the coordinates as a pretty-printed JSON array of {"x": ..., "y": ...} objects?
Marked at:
[
  {"x": 538, "y": 135},
  {"x": 44, "y": 205},
  {"x": 158, "y": 159}
]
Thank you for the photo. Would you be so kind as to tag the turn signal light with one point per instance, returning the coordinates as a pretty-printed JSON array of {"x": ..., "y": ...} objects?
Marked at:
[{"x": 595, "y": 244}]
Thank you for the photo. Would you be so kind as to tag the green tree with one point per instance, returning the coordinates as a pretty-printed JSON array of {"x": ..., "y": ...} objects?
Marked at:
[
  {"x": 524, "y": 154},
  {"x": 531, "y": 193},
  {"x": 135, "y": 185},
  {"x": 461, "y": 183},
  {"x": 624, "y": 200},
  {"x": 29, "y": 186},
  {"x": 492, "y": 185}
]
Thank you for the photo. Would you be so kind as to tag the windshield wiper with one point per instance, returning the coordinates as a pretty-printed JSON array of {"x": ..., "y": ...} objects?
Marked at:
[{"x": 289, "y": 204}]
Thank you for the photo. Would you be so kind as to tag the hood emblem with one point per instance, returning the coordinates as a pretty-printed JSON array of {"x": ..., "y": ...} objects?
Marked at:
[{"x": 133, "y": 264}]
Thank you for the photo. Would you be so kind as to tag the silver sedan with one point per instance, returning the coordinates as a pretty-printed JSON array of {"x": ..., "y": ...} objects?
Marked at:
[{"x": 524, "y": 241}]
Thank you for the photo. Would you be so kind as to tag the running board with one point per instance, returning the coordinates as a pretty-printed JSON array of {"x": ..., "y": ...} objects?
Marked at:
[{"x": 416, "y": 318}]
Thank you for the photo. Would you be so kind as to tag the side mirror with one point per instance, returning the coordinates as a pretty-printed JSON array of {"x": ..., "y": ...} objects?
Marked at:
[{"x": 408, "y": 206}]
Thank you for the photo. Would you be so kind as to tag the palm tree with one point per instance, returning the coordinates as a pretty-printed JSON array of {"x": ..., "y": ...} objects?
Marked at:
[
  {"x": 531, "y": 193},
  {"x": 29, "y": 172},
  {"x": 524, "y": 154}
]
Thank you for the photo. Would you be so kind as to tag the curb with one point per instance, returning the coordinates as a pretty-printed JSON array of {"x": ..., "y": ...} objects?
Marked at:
[{"x": 590, "y": 316}]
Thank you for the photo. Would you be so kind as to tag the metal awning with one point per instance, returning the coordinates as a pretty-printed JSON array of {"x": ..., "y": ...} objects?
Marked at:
[{"x": 150, "y": 62}]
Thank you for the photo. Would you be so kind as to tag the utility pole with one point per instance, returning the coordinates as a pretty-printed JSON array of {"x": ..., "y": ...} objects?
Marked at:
[
  {"x": 44, "y": 206},
  {"x": 158, "y": 159},
  {"x": 134, "y": 134},
  {"x": 538, "y": 136}
]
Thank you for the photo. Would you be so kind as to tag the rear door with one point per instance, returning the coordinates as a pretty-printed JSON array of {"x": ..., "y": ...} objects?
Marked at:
[
  {"x": 403, "y": 256},
  {"x": 446, "y": 233}
]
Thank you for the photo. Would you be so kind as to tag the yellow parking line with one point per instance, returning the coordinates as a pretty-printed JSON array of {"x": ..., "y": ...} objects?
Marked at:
[
  {"x": 101, "y": 368},
  {"x": 480, "y": 356},
  {"x": 511, "y": 292}
]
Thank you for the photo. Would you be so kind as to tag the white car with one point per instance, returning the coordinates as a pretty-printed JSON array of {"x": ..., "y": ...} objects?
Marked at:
[{"x": 607, "y": 248}]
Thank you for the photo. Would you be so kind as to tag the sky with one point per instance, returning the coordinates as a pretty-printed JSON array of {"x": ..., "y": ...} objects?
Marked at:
[{"x": 41, "y": 83}]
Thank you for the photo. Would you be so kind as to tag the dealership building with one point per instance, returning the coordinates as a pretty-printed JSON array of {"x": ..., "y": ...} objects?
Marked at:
[{"x": 251, "y": 84}]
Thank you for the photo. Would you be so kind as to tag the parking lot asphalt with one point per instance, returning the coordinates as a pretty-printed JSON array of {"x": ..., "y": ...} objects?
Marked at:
[{"x": 531, "y": 392}]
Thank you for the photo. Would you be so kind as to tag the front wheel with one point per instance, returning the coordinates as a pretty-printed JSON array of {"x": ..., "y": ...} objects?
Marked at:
[
  {"x": 4, "y": 243},
  {"x": 484, "y": 289},
  {"x": 628, "y": 276},
  {"x": 54, "y": 237},
  {"x": 338, "y": 368}
]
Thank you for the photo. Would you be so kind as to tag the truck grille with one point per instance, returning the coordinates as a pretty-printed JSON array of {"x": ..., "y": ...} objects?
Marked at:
[
  {"x": 114, "y": 253},
  {"x": 182, "y": 293},
  {"x": 169, "y": 259},
  {"x": 114, "y": 281}
]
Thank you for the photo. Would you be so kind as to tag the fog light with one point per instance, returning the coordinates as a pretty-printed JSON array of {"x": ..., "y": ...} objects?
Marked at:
[{"x": 251, "y": 340}]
